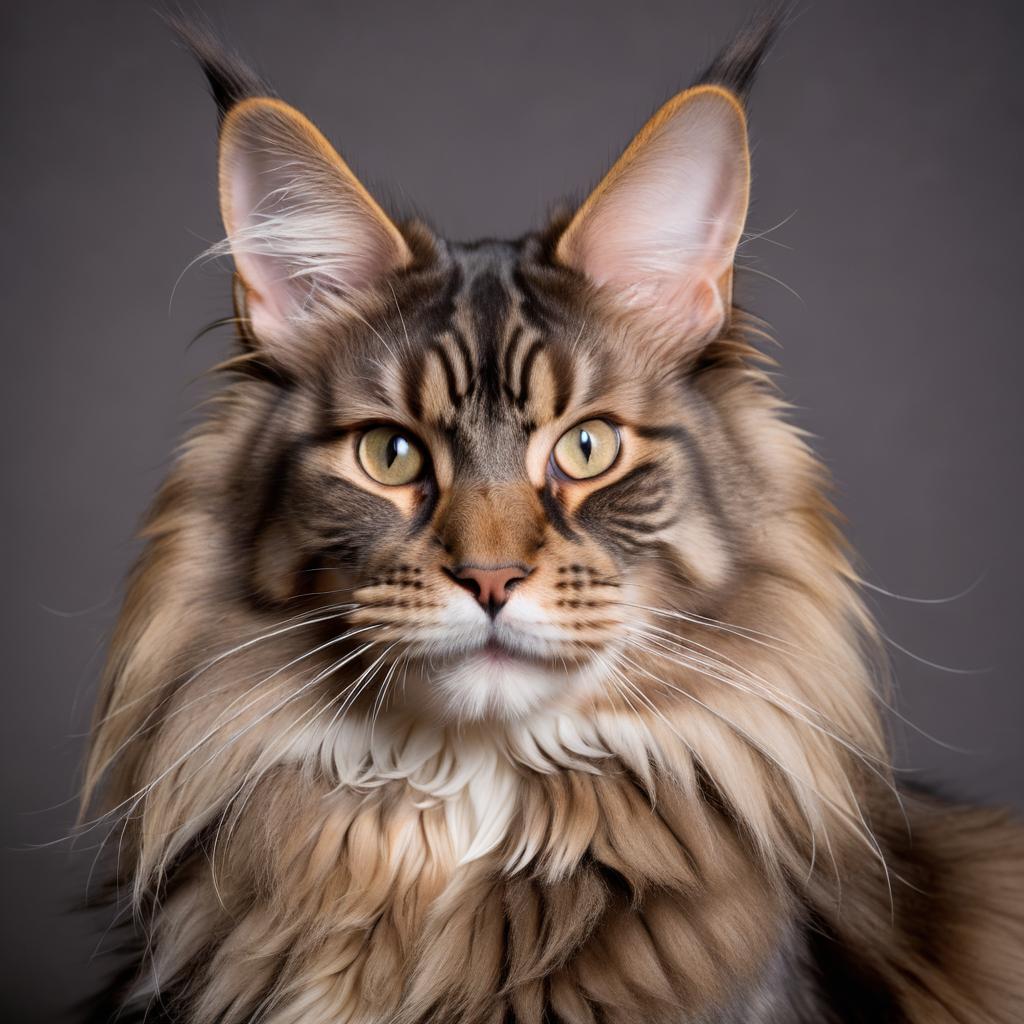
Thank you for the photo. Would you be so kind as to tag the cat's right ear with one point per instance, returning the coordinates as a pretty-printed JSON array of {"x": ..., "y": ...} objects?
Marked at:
[{"x": 301, "y": 227}]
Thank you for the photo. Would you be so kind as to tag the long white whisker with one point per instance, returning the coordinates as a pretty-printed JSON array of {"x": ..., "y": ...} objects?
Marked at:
[
  {"x": 252, "y": 783},
  {"x": 218, "y": 725},
  {"x": 288, "y": 699},
  {"x": 770, "y": 693},
  {"x": 132, "y": 802},
  {"x": 873, "y": 763},
  {"x": 244, "y": 646},
  {"x": 864, "y": 832},
  {"x": 759, "y": 638},
  {"x": 923, "y": 600}
]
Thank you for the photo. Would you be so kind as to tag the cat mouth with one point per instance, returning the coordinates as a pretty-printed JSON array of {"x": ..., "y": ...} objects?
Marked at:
[{"x": 498, "y": 652}]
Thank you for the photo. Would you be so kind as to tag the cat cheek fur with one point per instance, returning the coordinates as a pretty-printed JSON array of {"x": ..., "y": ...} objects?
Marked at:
[{"x": 644, "y": 776}]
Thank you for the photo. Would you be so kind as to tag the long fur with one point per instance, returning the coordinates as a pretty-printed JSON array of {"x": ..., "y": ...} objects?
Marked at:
[{"x": 699, "y": 824}]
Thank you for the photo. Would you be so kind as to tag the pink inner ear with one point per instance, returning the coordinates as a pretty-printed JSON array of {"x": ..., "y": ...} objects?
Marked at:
[
  {"x": 301, "y": 227},
  {"x": 662, "y": 229},
  {"x": 267, "y": 295},
  {"x": 295, "y": 234}
]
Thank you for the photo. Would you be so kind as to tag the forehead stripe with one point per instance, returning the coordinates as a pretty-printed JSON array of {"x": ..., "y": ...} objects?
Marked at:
[
  {"x": 467, "y": 356},
  {"x": 510, "y": 353},
  {"x": 438, "y": 349},
  {"x": 524, "y": 374}
]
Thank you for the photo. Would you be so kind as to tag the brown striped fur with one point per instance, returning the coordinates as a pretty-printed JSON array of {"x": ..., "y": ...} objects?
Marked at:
[{"x": 673, "y": 804}]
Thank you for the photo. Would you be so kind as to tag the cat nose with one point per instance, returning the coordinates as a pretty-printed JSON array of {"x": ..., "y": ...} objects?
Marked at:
[{"x": 490, "y": 586}]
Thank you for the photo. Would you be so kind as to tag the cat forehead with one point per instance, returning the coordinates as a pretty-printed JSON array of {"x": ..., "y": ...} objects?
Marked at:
[{"x": 486, "y": 339}]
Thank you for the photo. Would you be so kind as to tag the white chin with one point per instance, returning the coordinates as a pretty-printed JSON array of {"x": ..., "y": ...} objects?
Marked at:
[{"x": 479, "y": 686}]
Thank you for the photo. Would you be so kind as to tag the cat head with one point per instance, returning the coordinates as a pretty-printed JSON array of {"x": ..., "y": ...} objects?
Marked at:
[{"x": 505, "y": 457}]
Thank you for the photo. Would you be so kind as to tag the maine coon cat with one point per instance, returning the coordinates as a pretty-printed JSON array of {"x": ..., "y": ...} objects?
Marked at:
[{"x": 494, "y": 655}]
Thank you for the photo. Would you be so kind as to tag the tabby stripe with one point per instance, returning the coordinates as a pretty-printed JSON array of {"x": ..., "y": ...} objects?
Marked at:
[
  {"x": 535, "y": 313},
  {"x": 425, "y": 512},
  {"x": 564, "y": 380},
  {"x": 524, "y": 374},
  {"x": 510, "y": 354},
  {"x": 411, "y": 380},
  {"x": 644, "y": 529},
  {"x": 490, "y": 303},
  {"x": 280, "y": 467},
  {"x": 682, "y": 437},
  {"x": 556, "y": 515},
  {"x": 467, "y": 356},
  {"x": 625, "y": 540},
  {"x": 438, "y": 349}
]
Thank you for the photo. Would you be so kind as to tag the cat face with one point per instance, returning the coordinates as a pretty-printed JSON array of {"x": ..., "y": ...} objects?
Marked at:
[{"x": 496, "y": 453}]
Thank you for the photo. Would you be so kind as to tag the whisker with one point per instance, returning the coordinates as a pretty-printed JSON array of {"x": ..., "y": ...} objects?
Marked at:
[
  {"x": 218, "y": 724},
  {"x": 934, "y": 664},
  {"x": 790, "y": 648},
  {"x": 863, "y": 831},
  {"x": 251, "y": 784},
  {"x": 275, "y": 632},
  {"x": 288, "y": 699},
  {"x": 132, "y": 802},
  {"x": 877, "y": 765},
  {"x": 773, "y": 695}
]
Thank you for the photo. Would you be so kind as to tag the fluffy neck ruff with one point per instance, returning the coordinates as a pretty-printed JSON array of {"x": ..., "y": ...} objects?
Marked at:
[
  {"x": 368, "y": 871},
  {"x": 310, "y": 868}
]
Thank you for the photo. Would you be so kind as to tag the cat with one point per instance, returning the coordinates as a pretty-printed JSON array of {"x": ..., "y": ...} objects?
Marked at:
[{"x": 494, "y": 655}]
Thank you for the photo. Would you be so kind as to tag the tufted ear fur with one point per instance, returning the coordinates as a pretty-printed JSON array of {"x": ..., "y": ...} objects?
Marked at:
[
  {"x": 659, "y": 233},
  {"x": 300, "y": 225}
]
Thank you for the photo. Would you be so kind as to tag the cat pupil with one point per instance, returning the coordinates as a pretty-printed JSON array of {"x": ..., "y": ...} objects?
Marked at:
[
  {"x": 398, "y": 447},
  {"x": 586, "y": 445}
]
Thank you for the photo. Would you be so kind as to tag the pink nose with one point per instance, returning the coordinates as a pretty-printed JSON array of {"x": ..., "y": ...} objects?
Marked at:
[{"x": 489, "y": 586}]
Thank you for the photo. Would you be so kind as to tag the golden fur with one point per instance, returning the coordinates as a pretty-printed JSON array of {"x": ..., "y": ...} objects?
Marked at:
[
  {"x": 347, "y": 875},
  {"x": 676, "y": 806}
]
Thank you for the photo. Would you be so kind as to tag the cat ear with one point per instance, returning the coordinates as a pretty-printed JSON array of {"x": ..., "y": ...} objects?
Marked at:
[
  {"x": 300, "y": 225},
  {"x": 659, "y": 233}
]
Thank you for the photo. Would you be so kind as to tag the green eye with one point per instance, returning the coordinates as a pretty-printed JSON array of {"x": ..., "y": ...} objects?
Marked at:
[
  {"x": 390, "y": 455},
  {"x": 587, "y": 450}
]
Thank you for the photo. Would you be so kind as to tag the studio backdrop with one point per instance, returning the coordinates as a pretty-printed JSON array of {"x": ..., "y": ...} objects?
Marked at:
[{"x": 883, "y": 250}]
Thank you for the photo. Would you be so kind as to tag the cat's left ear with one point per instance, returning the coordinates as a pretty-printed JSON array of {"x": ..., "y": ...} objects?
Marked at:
[{"x": 659, "y": 234}]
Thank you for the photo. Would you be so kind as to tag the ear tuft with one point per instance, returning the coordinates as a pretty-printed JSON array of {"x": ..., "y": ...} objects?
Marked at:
[
  {"x": 737, "y": 64},
  {"x": 230, "y": 79},
  {"x": 304, "y": 232}
]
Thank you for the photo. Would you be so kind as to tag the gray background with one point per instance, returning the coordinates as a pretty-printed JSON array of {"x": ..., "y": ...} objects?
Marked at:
[{"x": 887, "y": 139}]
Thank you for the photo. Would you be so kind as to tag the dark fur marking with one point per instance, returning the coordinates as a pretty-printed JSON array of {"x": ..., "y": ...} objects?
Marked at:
[
  {"x": 850, "y": 986},
  {"x": 437, "y": 348},
  {"x": 412, "y": 377},
  {"x": 425, "y": 511},
  {"x": 510, "y": 353},
  {"x": 685, "y": 440},
  {"x": 273, "y": 490},
  {"x": 555, "y": 514},
  {"x": 439, "y": 313},
  {"x": 737, "y": 64},
  {"x": 490, "y": 305},
  {"x": 467, "y": 356},
  {"x": 230, "y": 79},
  {"x": 564, "y": 377},
  {"x": 524, "y": 374},
  {"x": 605, "y": 513},
  {"x": 532, "y": 306}
]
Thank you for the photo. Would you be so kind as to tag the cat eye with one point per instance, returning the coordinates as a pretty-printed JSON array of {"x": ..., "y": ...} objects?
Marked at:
[
  {"x": 391, "y": 456},
  {"x": 587, "y": 449}
]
